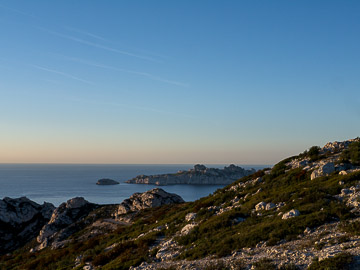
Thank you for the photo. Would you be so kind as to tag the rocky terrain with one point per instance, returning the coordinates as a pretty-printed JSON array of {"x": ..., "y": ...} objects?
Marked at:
[
  {"x": 304, "y": 213},
  {"x": 199, "y": 175}
]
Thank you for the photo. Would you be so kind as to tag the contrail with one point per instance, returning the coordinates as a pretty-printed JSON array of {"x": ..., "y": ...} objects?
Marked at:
[
  {"x": 85, "y": 33},
  {"x": 95, "y": 45},
  {"x": 144, "y": 74},
  {"x": 62, "y": 73}
]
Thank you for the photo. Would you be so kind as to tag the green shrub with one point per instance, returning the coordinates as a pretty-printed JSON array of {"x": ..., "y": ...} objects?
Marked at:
[
  {"x": 352, "y": 154},
  {"x": 351, "y": 227},
  {"x": 313, "y": 153}
]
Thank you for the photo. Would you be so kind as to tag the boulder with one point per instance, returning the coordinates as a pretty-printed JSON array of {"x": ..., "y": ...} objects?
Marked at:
[
  {"x": 187, "y": 229},
  {"x": 264, "y": 206},
  {"x": 260, "y": 206},
  {"x": 292, "y": 213},
  {"x": 20, "y": 221},
  {"x": 152, "y": 198},
  {"x": 106, "y": 182},
  {"x": 190, "y": 217},
  {"x": 324, "y": 169},
  {"x": 270, "y": 206}
]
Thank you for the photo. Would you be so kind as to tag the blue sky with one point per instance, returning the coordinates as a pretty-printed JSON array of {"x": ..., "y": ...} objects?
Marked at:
[{"x": 246, "y": 82}]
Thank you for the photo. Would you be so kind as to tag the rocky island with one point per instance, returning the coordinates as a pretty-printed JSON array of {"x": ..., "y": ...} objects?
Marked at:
[
  {"x": 107, "y": 182},
  {"x": 199, "y": 175}
]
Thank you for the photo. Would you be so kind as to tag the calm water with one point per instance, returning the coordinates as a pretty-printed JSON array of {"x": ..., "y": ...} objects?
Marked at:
[{"x": 56, "y": 183}]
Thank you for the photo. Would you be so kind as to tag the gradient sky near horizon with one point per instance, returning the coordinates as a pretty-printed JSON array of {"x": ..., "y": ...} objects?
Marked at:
[{"x": 244, "y": 82}]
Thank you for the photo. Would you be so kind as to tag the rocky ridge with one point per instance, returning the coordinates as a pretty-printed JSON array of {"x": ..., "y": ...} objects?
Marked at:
[{"x": 199, "y": 175}]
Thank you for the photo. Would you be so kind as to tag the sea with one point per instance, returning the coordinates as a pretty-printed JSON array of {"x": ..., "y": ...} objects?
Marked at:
[{"x": 57, "y": 183}]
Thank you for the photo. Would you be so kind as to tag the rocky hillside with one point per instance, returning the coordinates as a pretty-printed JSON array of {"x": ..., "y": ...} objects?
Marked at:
[
  {"x": 304, "y": 213},
  {"x": 199, "y": 175}
]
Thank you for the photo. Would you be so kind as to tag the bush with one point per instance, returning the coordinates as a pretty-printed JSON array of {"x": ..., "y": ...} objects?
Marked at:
[
  {"x": 313, "y": 153},
  {"x": 351, "y": 227},
  {"x": 352, "y": 154}
]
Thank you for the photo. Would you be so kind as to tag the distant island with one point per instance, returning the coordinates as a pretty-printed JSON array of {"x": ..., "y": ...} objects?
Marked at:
[
  {"x": 107, "y": 182},
  {"x": 199, "y": 175}
]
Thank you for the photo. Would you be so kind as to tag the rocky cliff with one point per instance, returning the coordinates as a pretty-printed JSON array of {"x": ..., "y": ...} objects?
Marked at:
[
  {"x": 199, "y": 175},
  {"x": 63, "y": 221},
  {"x": 20, "y": 220}
]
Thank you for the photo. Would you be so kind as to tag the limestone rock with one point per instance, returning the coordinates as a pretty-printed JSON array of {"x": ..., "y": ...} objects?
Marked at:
[
  {"x": 297, "y": 163},
  {"x": 21, "y": 220},
  {"x": 198, "y": 175},
  {"x": 324, "y": 169},
  {"x": 152, "y": 198},
  {"x": 168, "y": 250},
  {"x": 335, "y": 146},
  {"x": 260, "y": 206},
  {"x": 188, "y": 228},
  {"x": 264, "y": 206},
  {"x": 342, "y": 173},
  {"x": 190, "y": 216},
  {"x": 292, "y": 213},
  {"x": 270, "y": 206}
]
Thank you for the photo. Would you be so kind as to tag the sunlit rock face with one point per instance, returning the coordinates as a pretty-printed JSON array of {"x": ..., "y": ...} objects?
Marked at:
[
  {"x": 152, "y": 198},
  {"x": 61, "y": 223}
]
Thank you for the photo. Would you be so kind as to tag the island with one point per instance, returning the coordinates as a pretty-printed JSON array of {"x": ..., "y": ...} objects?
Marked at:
[
  {"x": 199, "y": 175},
  {"x": 107, "y": 182}
]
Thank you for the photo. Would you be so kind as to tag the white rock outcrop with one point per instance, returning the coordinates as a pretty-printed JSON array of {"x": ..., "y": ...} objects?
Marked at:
[
  {"x": 152, "y": 198},
  {"x": 190, "y": 217},
  {"x": 264, "y": 206},
  {"x": 187, "y": 229},
  {"x": 292, "y": 213},
  {"x": 63, "y": 216},
  {"x": 324, "y": 169}
]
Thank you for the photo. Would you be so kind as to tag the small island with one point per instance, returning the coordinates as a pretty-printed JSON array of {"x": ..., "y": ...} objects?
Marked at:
[{"x": 107, "y": 182}]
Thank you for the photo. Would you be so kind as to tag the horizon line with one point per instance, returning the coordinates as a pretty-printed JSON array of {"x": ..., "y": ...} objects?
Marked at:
[{"x": 75, "y": 163}]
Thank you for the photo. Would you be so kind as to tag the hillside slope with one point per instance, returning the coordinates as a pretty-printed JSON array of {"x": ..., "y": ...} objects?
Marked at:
[{"x": 301, "y": 214}]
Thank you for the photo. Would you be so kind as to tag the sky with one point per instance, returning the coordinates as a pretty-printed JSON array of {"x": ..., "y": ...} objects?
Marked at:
[{"x": 176, "y": 82}]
